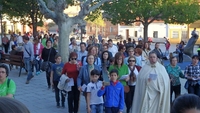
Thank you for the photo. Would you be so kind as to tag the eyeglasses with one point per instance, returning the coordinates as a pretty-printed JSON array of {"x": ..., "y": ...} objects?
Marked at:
[
  {"x": 131, "y": 61},
  {"x": 73, "y": 58},
  {"x": 3, "y": 72}
]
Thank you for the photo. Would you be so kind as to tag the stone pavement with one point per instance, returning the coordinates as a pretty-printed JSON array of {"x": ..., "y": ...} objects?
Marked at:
[
  {"x": 36, "y": 96},
  {"x": 39, "y": 99}
]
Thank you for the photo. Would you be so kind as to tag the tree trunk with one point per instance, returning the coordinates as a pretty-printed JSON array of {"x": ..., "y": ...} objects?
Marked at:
[
  {"x": 35, "y": 29},
  {"x": 63, "y": 41},
  {"x": 145, "y": 32}
]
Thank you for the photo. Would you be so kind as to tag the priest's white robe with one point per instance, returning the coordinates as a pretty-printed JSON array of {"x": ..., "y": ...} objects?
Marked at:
[{"x": 152, "y": 96}]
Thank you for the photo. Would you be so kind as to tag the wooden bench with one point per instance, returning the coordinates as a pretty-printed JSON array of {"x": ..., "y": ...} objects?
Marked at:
[{"x": 11, "y": 60}]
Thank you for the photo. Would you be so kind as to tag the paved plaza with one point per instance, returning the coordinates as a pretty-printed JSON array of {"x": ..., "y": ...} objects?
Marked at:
[{"x": 39, "y": 99}]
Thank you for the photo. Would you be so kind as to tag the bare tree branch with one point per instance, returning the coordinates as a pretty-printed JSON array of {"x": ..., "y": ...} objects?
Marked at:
[
  {"x": 51, "y": 5},
  {"x": 154, "y": 18},
  {"x": 45, "y": 11},
  {"x": 86, "y": 9},
  {"x": 97, "y": 5}
]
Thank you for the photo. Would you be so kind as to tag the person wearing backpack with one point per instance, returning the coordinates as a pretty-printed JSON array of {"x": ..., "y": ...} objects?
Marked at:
[{"x": 7, "y": 86}]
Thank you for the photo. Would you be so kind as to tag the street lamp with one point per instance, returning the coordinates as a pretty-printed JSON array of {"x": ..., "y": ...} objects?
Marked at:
[
  {"x": 1, "y": 8},
  {"x": 83, "y": 31}
]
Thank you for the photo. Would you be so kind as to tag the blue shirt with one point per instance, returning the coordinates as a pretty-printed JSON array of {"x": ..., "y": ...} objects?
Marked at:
[
  {"x": 81, "y": 54},
  {"x": 57, "y": 71}
]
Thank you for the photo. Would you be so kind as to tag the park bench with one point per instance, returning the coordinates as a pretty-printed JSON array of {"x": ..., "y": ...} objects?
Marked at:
[{"x": 11, "y": 60}]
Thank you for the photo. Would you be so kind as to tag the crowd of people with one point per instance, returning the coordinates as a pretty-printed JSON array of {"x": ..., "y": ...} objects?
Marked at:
[{"x": 110, "y": 77}]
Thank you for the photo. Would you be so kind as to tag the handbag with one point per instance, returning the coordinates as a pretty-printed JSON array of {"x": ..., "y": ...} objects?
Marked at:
[
  {"x": 126, "y": 89},
  {"x": 46, "y": 64}
]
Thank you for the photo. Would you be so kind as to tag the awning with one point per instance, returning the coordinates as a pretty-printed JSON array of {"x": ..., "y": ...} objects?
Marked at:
[{"x": 195, "y": 24}]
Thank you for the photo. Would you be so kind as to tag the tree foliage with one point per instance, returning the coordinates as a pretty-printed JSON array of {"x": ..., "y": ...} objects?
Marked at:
[
  {"x": 147, "y": 11},
  {"x": 25, "y": 11},
  {"x": 95, "y": 18}
]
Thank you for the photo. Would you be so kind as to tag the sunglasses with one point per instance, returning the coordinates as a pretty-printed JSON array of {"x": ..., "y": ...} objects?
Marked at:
[
  {"x": 73, "y": 58},
  {"x": 131, "y": 61}
]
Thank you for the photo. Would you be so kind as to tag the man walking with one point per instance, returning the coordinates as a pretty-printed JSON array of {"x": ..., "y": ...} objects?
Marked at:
[{"x": 28, "y": 57}]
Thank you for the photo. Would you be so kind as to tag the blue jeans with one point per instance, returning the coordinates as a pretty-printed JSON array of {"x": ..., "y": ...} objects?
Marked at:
[
  {"x": 96, "y": 108},
  {"x": 28, "y": 66},
  {"x": 37, "y": 64}
]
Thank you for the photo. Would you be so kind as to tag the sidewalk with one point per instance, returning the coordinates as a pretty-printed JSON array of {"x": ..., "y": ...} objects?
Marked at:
[{"x": 36, "y": 96}]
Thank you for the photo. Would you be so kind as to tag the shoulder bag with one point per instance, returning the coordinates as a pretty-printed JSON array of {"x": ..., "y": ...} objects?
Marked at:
[{"x": 45, "y": 64}]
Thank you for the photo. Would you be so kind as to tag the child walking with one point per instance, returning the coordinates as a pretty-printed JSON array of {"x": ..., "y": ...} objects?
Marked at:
[
  {"x": 114, "y": 94},
  {"x": 94, "y": 103},
  {"x": 56, "y": 71}
]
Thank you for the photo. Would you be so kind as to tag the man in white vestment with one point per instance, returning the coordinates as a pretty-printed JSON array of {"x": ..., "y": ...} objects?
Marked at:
[{"x": 152, "y": 91}]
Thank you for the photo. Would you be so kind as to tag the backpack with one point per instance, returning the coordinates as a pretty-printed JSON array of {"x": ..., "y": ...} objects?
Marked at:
[
  {"x": 82, "y": 59},
  {"x": 132, "y": 74}
]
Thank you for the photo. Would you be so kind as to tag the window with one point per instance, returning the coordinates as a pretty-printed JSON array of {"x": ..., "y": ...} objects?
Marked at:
[
  {"x": 90, "y": 29},
  {"x": 135, "y": 33},
  {"x": 175, "y": 34},
  {"x": 155, "y": 34},
  {"x": 111, "y": 29},
  {"x": 184, "y": 35}
]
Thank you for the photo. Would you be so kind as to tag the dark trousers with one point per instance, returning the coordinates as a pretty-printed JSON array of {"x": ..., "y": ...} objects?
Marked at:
[
  {"x": 111, "y": 109},
  {"x": 176, "y": 90},
  {"x": 195, "y": 89},
  {"x": 48, "y": 79},
  {"x": 129, "y": 98},
  {"x": 58, "y": 93},
  {"x": 180, "y": 55},
  {"x": 73, "y": 99},
  {"x": 6, "y": 46}
]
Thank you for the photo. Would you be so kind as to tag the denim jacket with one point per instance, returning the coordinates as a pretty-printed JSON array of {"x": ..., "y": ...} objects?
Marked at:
[{"x": 84, "y": 75}]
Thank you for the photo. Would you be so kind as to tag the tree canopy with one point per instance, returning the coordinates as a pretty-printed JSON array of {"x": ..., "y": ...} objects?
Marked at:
[
  {"x": 147, "y": 11},
  {"x": 25, "y": 11},
  {"x": 54, "y": 9}
]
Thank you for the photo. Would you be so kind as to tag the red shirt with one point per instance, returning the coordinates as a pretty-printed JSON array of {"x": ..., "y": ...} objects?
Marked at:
[{"x": 71, "y": 70}]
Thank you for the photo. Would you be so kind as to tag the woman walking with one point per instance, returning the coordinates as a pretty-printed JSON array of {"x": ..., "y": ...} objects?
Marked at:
[
  {"x": 71, "y": 69},
  {"x": 48, "y": 54}
]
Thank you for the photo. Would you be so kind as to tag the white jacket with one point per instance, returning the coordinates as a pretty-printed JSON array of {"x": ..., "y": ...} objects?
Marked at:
[{"x": 63, "y": 85}]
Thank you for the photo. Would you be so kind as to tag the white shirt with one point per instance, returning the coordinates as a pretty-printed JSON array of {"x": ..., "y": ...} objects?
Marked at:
[
  {"x": 38, "y": 49},
  {"x": 19, "y": 39},
  {"x": 113, "y": 50},
  {"x": 93, "y": 88}
]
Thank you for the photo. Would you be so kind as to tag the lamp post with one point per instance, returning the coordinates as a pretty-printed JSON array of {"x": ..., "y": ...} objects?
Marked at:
[
  {"x": 83, "y": 31},
  {"x": 1, "y": 8}
]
